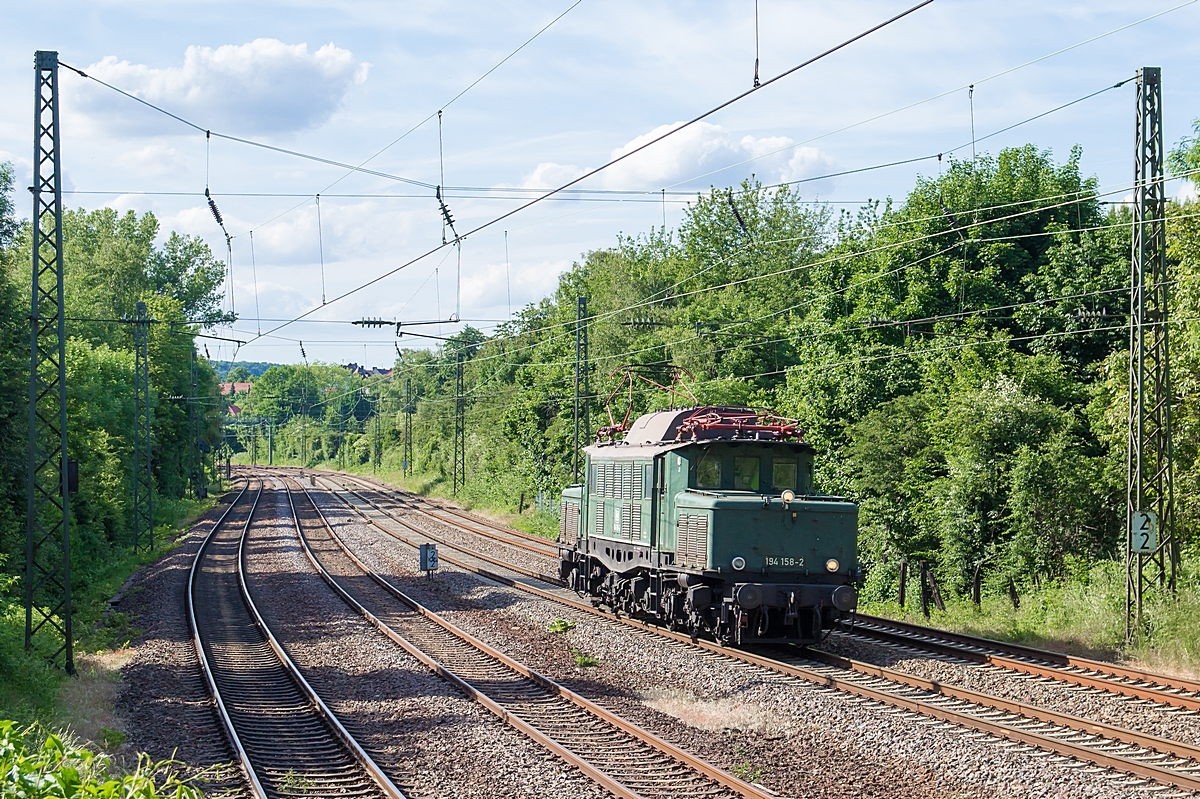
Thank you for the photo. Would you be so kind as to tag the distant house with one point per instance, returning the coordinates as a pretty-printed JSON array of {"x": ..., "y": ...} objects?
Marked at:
[
  {"x": 363, "y": 371},
  {"x": 234, "y": 410},
  {"x": 235, "y": 388}
]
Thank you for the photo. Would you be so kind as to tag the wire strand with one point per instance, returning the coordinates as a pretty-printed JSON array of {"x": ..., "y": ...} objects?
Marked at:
[{"x": 628, "y": 154}]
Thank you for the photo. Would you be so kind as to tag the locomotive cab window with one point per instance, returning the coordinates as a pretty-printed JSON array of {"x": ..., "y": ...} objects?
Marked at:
[
  {"x": 783, "y": 474},
  {"x": 745, "y": 474},
  {"x": 708, "y": 470}
]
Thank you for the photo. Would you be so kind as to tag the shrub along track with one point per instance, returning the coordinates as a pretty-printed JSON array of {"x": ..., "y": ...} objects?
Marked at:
[
  {"x": 286, "y": 739},
  {"x": 625, "y": 759},
  {"x": 1126, "y": 752}
]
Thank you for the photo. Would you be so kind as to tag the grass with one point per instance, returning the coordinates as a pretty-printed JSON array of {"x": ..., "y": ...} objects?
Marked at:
[
  {"x": 745, "y": 770},
  {"x": 1084, "y": 616},
  {"x": 36, "y": 764},
  {"x": 33, "y": 691}
]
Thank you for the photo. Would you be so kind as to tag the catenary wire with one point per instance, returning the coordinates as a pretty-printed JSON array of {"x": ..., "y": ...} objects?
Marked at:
[
  {"x": 621, "y": 157},
  {"x": 810, "y": 301}
]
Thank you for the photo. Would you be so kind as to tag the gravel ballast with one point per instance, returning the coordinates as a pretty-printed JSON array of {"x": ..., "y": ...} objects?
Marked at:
[
  {"x": 164, "y": 699},
  {"x": 737, "y": 716},
  {"x": 429, "y": 738}
]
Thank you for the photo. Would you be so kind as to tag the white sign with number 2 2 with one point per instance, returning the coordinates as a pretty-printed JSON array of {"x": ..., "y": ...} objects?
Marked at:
[{"x": 1144, "y": 529}]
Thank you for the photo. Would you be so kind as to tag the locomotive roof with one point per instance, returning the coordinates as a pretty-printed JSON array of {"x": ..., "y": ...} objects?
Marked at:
[{"x": 660, "y": 431}]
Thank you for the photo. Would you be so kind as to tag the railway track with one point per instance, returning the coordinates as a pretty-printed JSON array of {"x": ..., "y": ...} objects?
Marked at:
[
  {"x": 287, "y": 741},
  {"x": 476, "y": 524},
  {"x": 625, "y": 759},
  {"x": 1157, "y": 760},
  {"x": 1174, "y": 692}
]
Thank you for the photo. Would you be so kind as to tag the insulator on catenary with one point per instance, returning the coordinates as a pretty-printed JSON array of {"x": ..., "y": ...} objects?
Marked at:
[{"x": 213, "y": 207}]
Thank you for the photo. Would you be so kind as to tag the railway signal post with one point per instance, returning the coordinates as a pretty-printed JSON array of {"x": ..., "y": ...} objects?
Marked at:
[
  {"x": 1152, "y": 550},
  {"x": 48, "y": 521}
]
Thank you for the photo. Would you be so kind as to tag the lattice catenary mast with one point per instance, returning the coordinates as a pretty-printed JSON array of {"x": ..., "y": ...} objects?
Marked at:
[
  {"x": 1152, "y": 550},
  {"x": 408, "y": 414},
  {"x": 48, "y": 523},
  {"x": 143, "y": 482},
  {"x": 581, "y": 379},
  {"x": 460, "y": 432}
]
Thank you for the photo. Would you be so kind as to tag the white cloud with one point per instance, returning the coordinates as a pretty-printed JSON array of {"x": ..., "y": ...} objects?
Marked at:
[
  {"x": 1187, "y": 193},
  {"x": 485, "y": 290},
  {"x": 807, "y": 162},
  {"x": 153, "y": 160},
  {"x": 701, "y": 155},
  {"x": 550, "y": 175},
  {"x": 264, "y": 86}
]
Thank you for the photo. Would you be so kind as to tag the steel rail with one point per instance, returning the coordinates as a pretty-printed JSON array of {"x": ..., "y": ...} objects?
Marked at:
[
  {"x": 1075, "y": 751},
  {"x": 243, "y": 758},
  {"x": 543, "y": 547},
  {"x": 1164, "y": 746},
  {"x": 331, "y": 722},
  {"x": 719, "y": 776},
  {"x": 360, "y": 754},
  {"x": 1069, "y": 669},
  {"x": 1111, "y": 677},
  {"x": 457, "y": 547}
]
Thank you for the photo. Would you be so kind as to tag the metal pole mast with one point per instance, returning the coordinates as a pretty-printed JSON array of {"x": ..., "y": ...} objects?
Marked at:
[
  {"x": 408, "y": 414},
  {"x": 580, "y": 315},
  {"x": 143, "y": 484},
  {"x": 460, "y": 454},
  {"x": 194, "y": 476},
  {"x": 586, "y": 397},
  {"x": 1152, "y": 551},
  {"x": 48, "y": 523},
  {"x": 377, "y": 450}
]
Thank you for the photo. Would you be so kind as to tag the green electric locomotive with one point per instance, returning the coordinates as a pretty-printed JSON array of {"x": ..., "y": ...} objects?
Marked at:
[{"x": 704, "y": 519}]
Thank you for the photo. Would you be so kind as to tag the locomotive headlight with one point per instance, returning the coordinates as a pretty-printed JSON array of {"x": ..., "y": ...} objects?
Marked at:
[
  {"x": 738, "y": 563},
  {"x": 832, "y": 565},
  {"x": 787, "y": 496}
]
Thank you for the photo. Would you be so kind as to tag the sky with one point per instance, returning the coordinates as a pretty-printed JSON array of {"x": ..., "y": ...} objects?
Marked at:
[{"x": 348, "y": 81}]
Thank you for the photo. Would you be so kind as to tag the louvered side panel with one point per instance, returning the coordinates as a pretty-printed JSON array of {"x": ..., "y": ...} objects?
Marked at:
[
  {"x": 635, "y": 530},
  {"x": 626, "y": 520},
  {"x": 568, "y": 525},
  {"x": 681, "y": 541},
  {"x": 701, "y": 541},
  {"x": 599, "y": 528}
]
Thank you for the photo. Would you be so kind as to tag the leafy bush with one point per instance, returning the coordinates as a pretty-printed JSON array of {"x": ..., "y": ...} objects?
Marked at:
[
  {"x": 561, "y": 626},
  {"x": 38, "y": 765},
  {"x": 584, "y": 660}
]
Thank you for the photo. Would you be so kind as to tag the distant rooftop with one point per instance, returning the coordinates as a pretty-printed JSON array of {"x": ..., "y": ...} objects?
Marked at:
[{"x": 367, "y": 371}]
